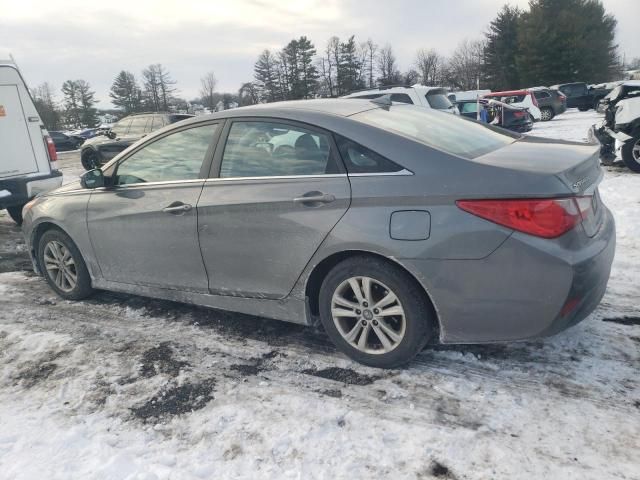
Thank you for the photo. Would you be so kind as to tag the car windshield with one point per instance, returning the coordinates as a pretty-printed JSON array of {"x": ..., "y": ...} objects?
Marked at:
[{"x": 449, "y": 133}]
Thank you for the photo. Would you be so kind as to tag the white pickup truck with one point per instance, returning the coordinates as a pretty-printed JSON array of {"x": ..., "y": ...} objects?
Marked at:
[{"x": 27, "y": 153}]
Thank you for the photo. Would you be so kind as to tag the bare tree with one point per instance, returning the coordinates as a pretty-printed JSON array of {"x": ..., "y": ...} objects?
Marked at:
[
  {"x": 158, "y": 86},
  {"x": 249, "y": 94},
  {"x": 370, "y": 51},
  {"x": 466, "y": 64},
  {"x": 429, "y": 64},
  {"x": 389, "y": 73},
  {"x": 208, "y": 89}
]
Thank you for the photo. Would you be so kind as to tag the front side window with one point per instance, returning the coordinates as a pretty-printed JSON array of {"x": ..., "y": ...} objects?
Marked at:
[
  {"x": 267, "y": 149},
  {"x": 137, "y": 126},
  {"x": 121, "y": 128},
  {"x": 178, "y": 156},
  {"x": 401, "y": 98},
  {"x": 449, "y": 133}
]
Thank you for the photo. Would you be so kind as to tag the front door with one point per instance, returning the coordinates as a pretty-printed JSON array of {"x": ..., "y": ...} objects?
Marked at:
[
  {"x": 144, "y": 227},
  {"x": 280, "y": 191}
]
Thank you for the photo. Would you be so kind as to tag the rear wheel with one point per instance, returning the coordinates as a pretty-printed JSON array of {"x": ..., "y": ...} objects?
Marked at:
[
  {"x": 63, "y": 267},
  {"x": 546, "y": 114},
  {"x": 631, "y": 152},
  {"x": 89, "y": 159},
  {"x": 15, "y": 213},
  {"x": 375, "y": 312}
]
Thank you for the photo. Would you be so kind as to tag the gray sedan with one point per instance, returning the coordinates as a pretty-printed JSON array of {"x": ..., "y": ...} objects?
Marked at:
[{"x": 394, "y": 225}]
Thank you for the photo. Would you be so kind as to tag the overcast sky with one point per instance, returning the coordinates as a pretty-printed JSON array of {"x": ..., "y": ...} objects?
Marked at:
[{"x": 55, "y": 41}]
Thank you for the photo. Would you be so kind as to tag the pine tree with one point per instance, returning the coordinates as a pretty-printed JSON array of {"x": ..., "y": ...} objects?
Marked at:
[
  {"x": 566, "y": 40},
  {"x": 125, "y": 92},
  {"x": 266, "y": 77},
  {"x": 301, "y": 73},
  {"x": 88, "y": 117},
  {"x": 349, "y": 67},
  {"x": 46, "y": 105},
  {"x": 71, "y": 103},
  {"x": 500, "y": 70}
]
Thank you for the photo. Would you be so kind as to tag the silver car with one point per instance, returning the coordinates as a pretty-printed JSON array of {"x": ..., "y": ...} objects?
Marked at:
[{"x": 394, "y": 225}]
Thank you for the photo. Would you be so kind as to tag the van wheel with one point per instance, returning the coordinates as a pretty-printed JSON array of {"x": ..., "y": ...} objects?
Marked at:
[
  {"x": 631, "y": 152},
  {"x": 546, "y": 114},
  {"x": 15, "y": 213},
  {"x": 89, "y": 159},
  {"x": 375, "y": 312},
  {"x": 63, "y": 266}
]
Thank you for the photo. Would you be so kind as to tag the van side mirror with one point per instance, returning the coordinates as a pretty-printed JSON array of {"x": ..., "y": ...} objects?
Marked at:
[{"x": 92, "y": 179}]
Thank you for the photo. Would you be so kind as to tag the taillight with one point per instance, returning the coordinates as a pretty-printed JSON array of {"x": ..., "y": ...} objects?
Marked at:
[
  {"x": 51, "y": 150},
  {"x": 545, "y": 217},
  {"x": 518, "y": 114}
]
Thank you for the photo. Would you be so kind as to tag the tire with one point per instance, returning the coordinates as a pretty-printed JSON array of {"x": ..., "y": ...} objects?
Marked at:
[
  {"x": 54, "y": 248},
  {"x": 15, "y": 213},
  {"x": 90, "y": 159},
  {"x": 409, "y": 331},
  {"x": 631, "y": 152},
  {"x": 584, "y": 109},
  {"x": 546, "y": 114}
]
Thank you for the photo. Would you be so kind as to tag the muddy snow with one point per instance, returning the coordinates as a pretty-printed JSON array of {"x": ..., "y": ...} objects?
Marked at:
[{"x": 123, "y": 387}]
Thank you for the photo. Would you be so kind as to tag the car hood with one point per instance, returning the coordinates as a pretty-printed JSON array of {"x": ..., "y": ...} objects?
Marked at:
[{"x": 67, "y": 187}]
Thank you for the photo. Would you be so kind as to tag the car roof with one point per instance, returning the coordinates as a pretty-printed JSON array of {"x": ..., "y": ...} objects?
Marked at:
[
  {"x": 507, "y": 93},
  {"x": 393, "y": 89}
]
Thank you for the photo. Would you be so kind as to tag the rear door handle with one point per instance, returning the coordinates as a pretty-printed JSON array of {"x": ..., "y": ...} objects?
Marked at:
[
  {"x": 177, "y": 208},
  {"x": 315, "y": 197}
]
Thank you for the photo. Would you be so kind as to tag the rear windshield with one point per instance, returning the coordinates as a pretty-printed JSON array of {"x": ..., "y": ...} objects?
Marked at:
[
  {"x": 443, "y": 131},
  {"x": 438, "y": 99}
]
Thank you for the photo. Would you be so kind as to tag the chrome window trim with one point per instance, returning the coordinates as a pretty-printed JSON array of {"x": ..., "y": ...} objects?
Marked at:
[
  {"x": 400, "y": 173},
  {"x": 276, "y": 177}
]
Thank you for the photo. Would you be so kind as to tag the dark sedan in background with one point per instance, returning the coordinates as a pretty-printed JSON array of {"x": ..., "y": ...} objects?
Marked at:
[
  {"x": 65, "y": 142},
  {"x": 100, "y": 149},
  {"x": 395, "y": 225}
]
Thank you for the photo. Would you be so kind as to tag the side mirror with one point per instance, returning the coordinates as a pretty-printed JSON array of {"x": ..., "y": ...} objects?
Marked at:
[
  {"x": 92, "y": 179},
  {"x": 110, "y": 134}
]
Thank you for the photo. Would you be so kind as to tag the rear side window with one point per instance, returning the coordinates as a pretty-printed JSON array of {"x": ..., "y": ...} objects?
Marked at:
[
  {"x": 359, "y": 159},
  {"x": 541, "y": 94},
  {"x": 401, "y": 98},
  {"x": 158, "y": 122},
  {"x": 438, "y": 99},
  {"x": 448, "y": 133},
  {"x": 270, "y": 149},
  {"x": 122, "y": 127}
]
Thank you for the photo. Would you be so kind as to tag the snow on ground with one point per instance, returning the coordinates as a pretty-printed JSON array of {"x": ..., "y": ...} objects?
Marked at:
[{"x": 122, "y": 387}]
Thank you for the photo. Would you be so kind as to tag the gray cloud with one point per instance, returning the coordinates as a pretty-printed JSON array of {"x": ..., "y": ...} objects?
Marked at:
[{"x": 94, "y": 42}]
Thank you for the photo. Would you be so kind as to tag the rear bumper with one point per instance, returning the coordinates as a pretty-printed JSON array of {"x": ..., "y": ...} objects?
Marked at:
[
  {"x": 529, "y": 287},
  {"x": 19, "y": 190}
]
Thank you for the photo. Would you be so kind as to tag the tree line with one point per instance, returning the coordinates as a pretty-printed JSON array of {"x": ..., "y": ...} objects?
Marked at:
[{"x": 554, "y": 41}]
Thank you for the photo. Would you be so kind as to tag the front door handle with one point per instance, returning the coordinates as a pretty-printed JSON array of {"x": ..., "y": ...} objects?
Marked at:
[
  {"x": 314, "y": 198},
  {"x": 177, "y": 208}
]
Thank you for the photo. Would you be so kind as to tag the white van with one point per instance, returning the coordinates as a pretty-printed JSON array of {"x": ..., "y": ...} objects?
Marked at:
[{"x": 27, "y": 153}]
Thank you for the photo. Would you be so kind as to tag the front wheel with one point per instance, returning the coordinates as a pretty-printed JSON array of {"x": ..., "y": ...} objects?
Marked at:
[
  {"x": 15, "y": 213},
  {"x": 89, "y": 159},
  {"x": 375, "y": 312},
  {"x": 63, "y": 267},
  {"x": 631, "y": 153}
]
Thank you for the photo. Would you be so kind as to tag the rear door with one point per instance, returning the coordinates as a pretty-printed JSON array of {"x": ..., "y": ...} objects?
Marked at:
[
  {"x": 280, "y": 191},
  {"x": 17, "y": 155},
  {"x": 144, "y": 228}
]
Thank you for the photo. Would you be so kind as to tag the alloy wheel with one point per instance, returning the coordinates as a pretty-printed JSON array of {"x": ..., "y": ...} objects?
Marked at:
[
  {"x": 368, "y": 315},
  {"x": 635, "y": 151},
  {"x": 60, "y": 266}
]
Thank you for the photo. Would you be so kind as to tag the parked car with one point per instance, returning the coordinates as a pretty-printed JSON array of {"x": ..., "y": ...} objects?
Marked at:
[
  {"x": 620, "y": 130},
  {"x": 100, "y": 149},
  {"x": 428, "y": 97},
  {"x": 627, "y": 89},
  {"x": 28, "y": 155},
  {"x": 550, "y": 102},
  {"x": 64, "y": 142},
  {"x": 394, "y": 225},
  {"x": 497, "y": 113},
  {"x": 86, "y": 133},
  {"x": 580, "y": 95},
  {"x": 518, "y": 98}
]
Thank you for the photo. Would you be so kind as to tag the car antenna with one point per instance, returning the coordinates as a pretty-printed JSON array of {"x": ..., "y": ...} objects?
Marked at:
[{"x": 383, "y": 101}]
